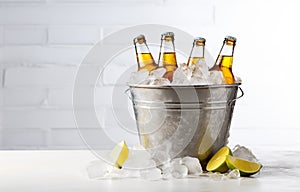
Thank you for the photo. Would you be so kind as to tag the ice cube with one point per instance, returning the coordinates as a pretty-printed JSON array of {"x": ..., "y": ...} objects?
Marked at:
[
  {"x": 244, "y": 153},
  {"x": 199, "y": 81},
  {"x": 176, "y": 161},
  {"x": 158, "y": 73},
  {"x": 151, "y": 174},
  {"x": 193, "y": 165},
  {"x": 138, "y": 77},
  {"x": 180, "y": 77},
  {"x": 200, "y": 69},
  {"x": 179, "y": 171},
  {"x": 170, "y": 168},
  {"x": 138, "y": 146},
  {"x": 216, "y": 77},
  {"x": 156, "y": 81},
  {"x": 234, "y": 174},
  {"x": 98, "y": 169},
  {"x": 216, "y": 176},
  {"x": 117, "y": 173},
  {"x": 238, "y": 79},
  {"x": 184, "y": 67},
  {"x": 139, "y": 159}
]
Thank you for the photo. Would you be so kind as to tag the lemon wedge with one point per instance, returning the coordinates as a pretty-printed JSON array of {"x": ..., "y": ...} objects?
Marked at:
[{"x": 119, "y": 154}]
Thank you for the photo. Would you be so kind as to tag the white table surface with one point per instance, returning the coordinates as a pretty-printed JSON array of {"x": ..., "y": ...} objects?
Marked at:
[{"x": 65, "y": 171}]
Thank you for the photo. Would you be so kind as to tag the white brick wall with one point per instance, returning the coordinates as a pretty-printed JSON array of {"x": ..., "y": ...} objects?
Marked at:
[
  {"x": 42, "y": 43},
  {"x": 25, "y": 35},
  {"x": 73, "y": 35}
]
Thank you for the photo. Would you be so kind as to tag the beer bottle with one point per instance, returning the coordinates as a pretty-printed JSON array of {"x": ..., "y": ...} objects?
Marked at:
[
  {"x": 167, "y": 55},
  {"x": 197, "y": 52},
  {"x": 143, "y": 54},
  {"x": 225, "y": 58}
]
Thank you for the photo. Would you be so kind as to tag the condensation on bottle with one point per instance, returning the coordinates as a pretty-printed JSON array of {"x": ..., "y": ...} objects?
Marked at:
[
  {"x": 225, "y": 58},
  {"x": 144, "y": 57},
  {"x": 167, "y": 55}
]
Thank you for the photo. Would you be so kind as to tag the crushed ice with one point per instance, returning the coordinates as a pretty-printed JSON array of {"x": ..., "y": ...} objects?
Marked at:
[
  {"x": 244, "y": 153},
  {"x": 197, "y": 74},
  {"x": 140, "y": 164}
]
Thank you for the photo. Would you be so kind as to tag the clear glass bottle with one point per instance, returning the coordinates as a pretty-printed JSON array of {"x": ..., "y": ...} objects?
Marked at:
[
  {"x": 197, "y": 52},
  {"x": 143, "y": 55},
  {"x": 167, "y": 55},
  {"x": 225, "y": 58}
]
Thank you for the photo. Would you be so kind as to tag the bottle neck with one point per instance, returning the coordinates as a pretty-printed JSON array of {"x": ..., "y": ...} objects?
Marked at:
[
  {"x": 167, "y": 46},
  {"x": 144, "y": 57},
  {"x": 227, "y": 49},
  {"x": 141, "y": 48},
  {"x": 196, "y": 54},
  {"x": 167, "y": 50}
]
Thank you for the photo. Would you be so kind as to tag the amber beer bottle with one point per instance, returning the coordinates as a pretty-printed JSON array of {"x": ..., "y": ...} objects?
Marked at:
[
  {"x": 225, "y": 58},
  {"x": 167, "y": 55},
  {"x": 197, "y": 52},
  {"x": 143, "y": 54}
]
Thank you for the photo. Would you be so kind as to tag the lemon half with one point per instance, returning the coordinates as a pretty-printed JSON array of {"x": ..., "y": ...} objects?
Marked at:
[
  {"x": 218, "y": 162},
  {"x": 245, "y": 167}
]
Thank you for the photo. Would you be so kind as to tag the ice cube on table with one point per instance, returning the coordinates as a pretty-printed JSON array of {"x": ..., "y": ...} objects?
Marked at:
[
  {"x": 244, "y": 153},
  {"x": 151, "y": 174},
  {"x": 139, "y": 159},
  {"x": 233, "y": 174},
  {"x": 179, "y": 171},
  {"x": 173, "y": 169},
  {"x": 98, "y": 169},
  {"x": 193, "y": 165},
  {"x": 138, "y": 77},
  {"x": 216, "y": 176},
  {"x": 176, "y": 161},
  {"x": 117, "y": 173}
]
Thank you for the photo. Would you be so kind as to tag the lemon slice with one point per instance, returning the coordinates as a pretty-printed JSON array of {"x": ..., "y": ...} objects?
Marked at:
[
  {"x": 119, "y": 154},
  {"x": 245, "y": 167},
  {"x": 218, "y": 162}
]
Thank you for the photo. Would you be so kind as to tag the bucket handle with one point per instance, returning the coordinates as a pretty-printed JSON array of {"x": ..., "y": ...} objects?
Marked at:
[
  {"x": 242, "y": 94},
  {"x": 128, "y": 95}
]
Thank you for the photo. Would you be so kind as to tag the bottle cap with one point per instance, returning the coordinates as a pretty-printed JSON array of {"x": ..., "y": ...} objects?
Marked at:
[
  {"x": 199, "y": 41},
  {"x": 230, "y": 38},
  {"x": 167, "y": 36},
  {"x": 139, "y": 39}
]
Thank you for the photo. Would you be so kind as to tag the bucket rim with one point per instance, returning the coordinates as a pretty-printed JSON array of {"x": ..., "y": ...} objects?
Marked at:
[{"x": 183, "y": 86}]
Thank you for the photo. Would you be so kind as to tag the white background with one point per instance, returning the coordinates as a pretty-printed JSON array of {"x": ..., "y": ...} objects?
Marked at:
[{"x": 42, "y": 42}]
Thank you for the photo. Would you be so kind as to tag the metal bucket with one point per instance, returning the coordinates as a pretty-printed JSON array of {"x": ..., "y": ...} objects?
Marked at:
[{"x": 177, "y": 121}]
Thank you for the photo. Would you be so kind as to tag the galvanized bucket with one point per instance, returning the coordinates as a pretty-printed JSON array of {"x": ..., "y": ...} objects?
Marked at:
[{"x": 177, "y": 121}]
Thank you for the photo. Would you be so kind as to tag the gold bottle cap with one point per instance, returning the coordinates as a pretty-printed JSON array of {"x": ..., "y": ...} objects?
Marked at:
[
  {"x": 139, "y": 39},
  {"x": 230, "y": 40},
  {"x": 167, "y": 36},
  {"x": 199, "y": 41}
]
